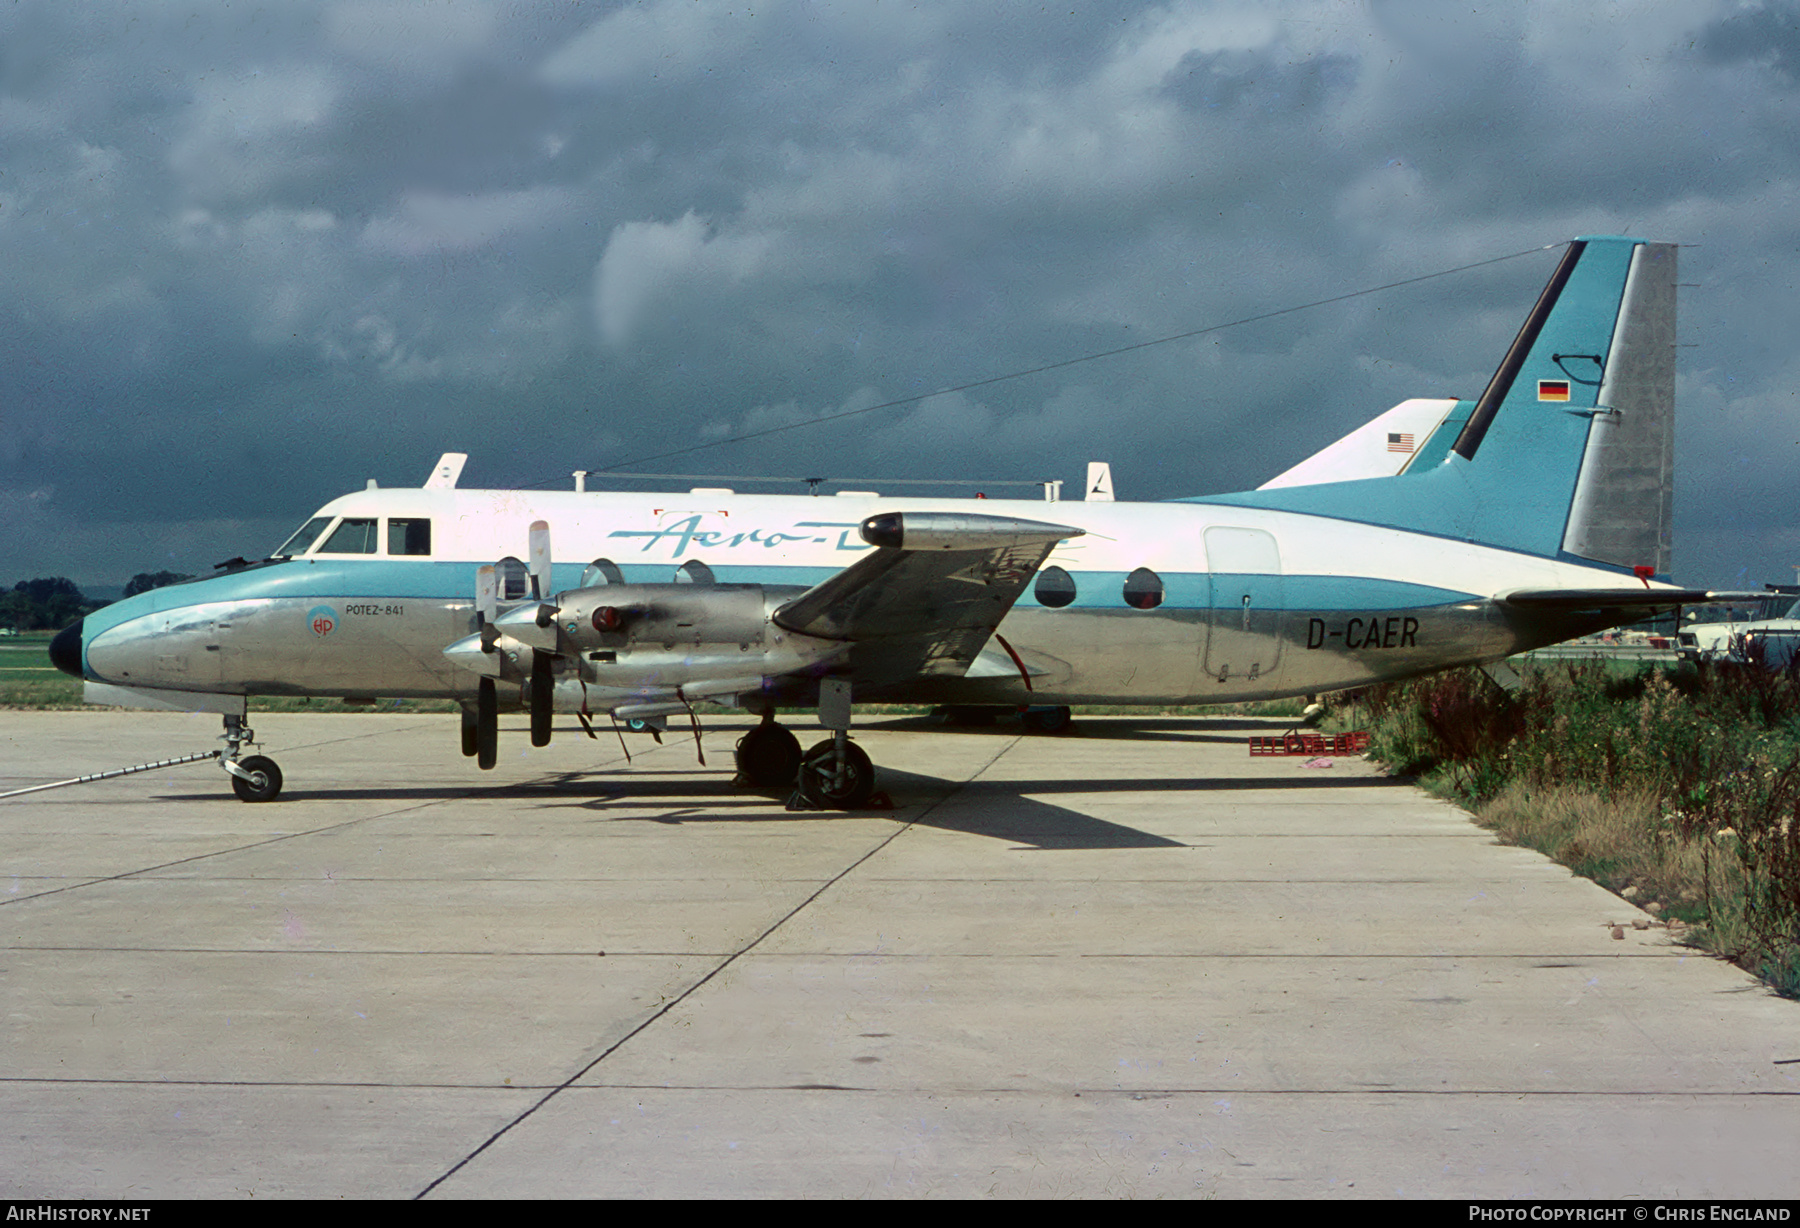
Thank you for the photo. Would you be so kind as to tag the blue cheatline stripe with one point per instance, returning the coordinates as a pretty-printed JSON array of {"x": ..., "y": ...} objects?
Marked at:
[
  {"x": 390, "y": 579},
  {"x": 1105, "y": 590}
]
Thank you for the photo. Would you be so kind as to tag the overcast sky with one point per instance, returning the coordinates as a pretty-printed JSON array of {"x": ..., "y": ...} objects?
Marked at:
[{"x": 252, "y": 255}]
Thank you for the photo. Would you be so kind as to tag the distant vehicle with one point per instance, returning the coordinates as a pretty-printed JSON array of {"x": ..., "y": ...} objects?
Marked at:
[{"x": 1770, "y": 642}]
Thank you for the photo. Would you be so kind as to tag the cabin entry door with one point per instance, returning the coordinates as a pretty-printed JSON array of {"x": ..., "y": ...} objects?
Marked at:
[{"x": 1243, "y": 636}]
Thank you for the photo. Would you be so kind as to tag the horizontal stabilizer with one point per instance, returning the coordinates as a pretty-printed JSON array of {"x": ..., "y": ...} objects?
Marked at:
[{"x": 1605, "y": 598}]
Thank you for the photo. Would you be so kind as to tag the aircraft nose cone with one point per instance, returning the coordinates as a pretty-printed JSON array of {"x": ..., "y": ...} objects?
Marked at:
[{"x": 65, "y": 649}]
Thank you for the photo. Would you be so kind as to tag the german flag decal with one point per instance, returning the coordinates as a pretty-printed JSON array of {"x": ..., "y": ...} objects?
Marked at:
[{"x": 1553, "y": 390}]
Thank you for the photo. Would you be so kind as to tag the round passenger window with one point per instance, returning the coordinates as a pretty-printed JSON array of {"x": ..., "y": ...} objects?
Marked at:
[
  {"x": 514, "y": 577},
  {"x": 601, "y": 571},
  {"x": 1143, "y": 589},
  {"x": 1055, "y": 588}
]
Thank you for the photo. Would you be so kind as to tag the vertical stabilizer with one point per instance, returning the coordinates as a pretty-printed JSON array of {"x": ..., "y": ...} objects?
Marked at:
[
  {"x": 1567, "y": 452},
  {"x": 1621, "y": 510}
]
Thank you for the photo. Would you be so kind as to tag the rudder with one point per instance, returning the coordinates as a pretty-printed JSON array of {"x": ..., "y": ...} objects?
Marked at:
[{"x": 1622, "y": 509}]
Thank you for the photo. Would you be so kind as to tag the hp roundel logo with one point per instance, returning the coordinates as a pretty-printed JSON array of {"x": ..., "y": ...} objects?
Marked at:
[{"x": 322, "y": 619}]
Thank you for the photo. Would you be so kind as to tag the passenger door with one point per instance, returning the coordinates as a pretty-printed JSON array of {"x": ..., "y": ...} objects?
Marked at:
[{"x": 1243, "y": 640}]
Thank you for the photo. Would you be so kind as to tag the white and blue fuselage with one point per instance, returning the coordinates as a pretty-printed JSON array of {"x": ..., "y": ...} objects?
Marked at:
[{"x": 1186, "y": 602}]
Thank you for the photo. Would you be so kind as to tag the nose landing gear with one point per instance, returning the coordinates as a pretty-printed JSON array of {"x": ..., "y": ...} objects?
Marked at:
[
  {"x": 837, "y": 775},
  {"x": 254, "y": 778}
]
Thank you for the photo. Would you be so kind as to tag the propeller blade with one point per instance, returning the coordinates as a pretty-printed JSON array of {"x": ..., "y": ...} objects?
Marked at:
[
  {"x": 540, "y": 559},
  {"x": 487, "y": 592},
  {"x": 487, "y": 725},
  {"x": 542, "y": 689}
]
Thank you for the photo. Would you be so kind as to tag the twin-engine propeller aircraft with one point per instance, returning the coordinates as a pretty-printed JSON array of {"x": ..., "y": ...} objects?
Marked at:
[{"x": 1537, "y": 512}]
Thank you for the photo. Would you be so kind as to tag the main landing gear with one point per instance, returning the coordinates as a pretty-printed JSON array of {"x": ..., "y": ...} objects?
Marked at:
[
  {"x": 254, "y": 778},
  {"x": 834, "y": 775},
  {"x": 768, "y": 756},
  {"x": 837, "y": 775}
]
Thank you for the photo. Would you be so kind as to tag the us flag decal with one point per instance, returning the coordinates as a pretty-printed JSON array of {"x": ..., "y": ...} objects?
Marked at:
[
  {"x": 1400, "y": 443},
  {"x": 1553, "y": 390}
]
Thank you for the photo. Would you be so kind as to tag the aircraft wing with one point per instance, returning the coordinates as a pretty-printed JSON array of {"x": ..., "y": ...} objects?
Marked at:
[{"x": 930, "y": 596}]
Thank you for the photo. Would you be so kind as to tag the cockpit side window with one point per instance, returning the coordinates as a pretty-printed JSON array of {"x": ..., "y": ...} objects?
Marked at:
[
  {"x": 307, "y": 535},
  {"x": 353, "y": 536},
  {"x": 408, "y": 536}
]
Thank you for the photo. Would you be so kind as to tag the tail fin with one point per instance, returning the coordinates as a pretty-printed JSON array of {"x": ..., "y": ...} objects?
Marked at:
[{"x": 1568, "y": 451}]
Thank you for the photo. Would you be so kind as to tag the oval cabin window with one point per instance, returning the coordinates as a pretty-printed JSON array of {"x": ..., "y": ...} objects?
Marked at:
[
  {"x": 1055, "y": 588},
  {"x": 1143, "y": 589}
]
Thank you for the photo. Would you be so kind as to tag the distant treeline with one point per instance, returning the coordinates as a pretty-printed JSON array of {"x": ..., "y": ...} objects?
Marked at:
[{"x": 52, "y": 602}]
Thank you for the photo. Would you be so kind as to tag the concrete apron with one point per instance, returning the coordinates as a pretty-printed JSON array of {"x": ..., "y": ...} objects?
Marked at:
[{"x": 1130, "y": 962}]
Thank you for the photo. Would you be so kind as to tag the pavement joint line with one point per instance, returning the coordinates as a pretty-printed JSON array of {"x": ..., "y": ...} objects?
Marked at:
[
  {"x": 384, "y": 953},
  {"x": 1129, "y": 1093},
  {"x": 241, "y": 848},
  {"x": 464, "y": 794},
  {"x": 1155, "y": 1093},
  {"x": 296, "y": 746},
  {"x": 681, "y": 997},
  {"x": 272, "y": 880}
]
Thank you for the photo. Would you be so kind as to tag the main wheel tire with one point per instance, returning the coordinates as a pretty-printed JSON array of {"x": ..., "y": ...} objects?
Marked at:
[
  {"x": 487, "y": 725},
  {"x": 471, "y": 736},
  {"x": 768, "y": 757},
  {"x": 265, "y": 782},
  {"x": 818, "y": 783},
  {"x": 1048, "y": 720}
]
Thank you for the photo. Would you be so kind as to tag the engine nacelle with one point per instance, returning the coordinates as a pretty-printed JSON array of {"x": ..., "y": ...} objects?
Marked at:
[
  {"x": 674, "y": 634},
  {"x": 666, "y": 615}
]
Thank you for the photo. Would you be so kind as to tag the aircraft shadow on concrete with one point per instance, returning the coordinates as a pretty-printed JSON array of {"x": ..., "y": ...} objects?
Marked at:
[
  {"x": 1001, "y": 811},
  {"x": 1222, "y": 730}
]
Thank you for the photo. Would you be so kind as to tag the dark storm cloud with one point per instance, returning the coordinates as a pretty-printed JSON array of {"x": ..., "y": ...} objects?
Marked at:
[
  {"x": 251, "y": 256},
  {"x": 1764, "y": 34}
]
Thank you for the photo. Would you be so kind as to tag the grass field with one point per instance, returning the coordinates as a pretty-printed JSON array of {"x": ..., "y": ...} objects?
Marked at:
[{"x": 28, "y": 680}]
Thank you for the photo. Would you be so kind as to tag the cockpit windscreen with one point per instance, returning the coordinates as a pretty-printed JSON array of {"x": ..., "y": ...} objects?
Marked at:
[{"x": 309, "y": 533}]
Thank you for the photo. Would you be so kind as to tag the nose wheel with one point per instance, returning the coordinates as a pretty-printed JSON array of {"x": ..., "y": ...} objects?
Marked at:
[
  {"x": 261, "y": 781},
  {"x": 254, "y": 778}
]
